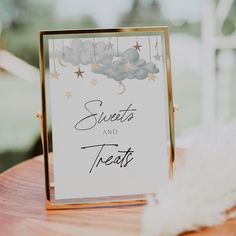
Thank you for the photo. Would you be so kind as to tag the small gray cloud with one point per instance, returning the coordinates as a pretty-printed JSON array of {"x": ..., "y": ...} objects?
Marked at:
[{"x": 151, "y": 67}]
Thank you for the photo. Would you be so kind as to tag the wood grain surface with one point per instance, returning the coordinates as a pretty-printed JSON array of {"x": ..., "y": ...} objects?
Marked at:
[{"x": 22, "y": 211}]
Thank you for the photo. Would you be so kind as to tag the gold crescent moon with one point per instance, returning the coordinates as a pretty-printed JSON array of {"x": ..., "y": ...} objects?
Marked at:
[
  {"x": 123, "y": 88},
  {"x": 60, "y": 62}
]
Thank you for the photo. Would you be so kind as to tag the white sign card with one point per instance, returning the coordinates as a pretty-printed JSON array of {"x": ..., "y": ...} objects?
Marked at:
[{"x": 109, "y": 109}]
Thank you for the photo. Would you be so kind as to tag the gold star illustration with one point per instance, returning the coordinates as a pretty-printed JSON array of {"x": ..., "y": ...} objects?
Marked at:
[
  {"x": 109, "y": 46},
  {"x": 55, "y": 75},
  {"x": 79, "y": 73},
  {"x": 93, "y": 82},
  {"x": 68, "y": 94},
  {"x": 157, "y": 57},
  {"x": 152, "y": 77},
  {"x": 137, "y": 46}
]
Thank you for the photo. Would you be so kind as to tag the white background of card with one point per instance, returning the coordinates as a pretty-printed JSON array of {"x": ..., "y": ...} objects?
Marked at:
[{"x": 146, "y": 133}]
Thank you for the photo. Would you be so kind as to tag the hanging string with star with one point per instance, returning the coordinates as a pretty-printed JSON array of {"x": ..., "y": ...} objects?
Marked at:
[
  {"x": 54, "y": 74},
  {"x": 109, "y": 46},
  {"x": 137, "y": 46},
  {"x": 151, "y": 76},
  {"x": 157, "y": 56},
  {"x": 79, "y": 72}
]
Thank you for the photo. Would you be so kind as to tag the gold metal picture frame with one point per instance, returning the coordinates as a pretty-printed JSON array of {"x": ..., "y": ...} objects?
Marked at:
[{"x": 51, "y": 203}]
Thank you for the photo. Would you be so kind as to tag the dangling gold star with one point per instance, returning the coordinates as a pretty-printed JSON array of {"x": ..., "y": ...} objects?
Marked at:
[
  {"x": 152, "y": 77},
  {"x": 79, "y": 73},
  {"x": 157, "y": 57},
  {"x": 55, "y": 75},
  {"x": 93, "y": 82},
  {"x": 68, "y": 94},
  {"x": 109, "y": 46},
  {"x": 137, "y": 46}
]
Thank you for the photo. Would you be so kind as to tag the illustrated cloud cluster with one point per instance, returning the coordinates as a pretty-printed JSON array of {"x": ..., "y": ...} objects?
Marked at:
[
  {"x": 130, "y": 66},
  {"x": 125, "y": 65}
]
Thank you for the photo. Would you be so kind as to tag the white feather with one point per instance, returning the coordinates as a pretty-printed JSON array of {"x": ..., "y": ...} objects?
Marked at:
[{"x": 203, "y": 188}]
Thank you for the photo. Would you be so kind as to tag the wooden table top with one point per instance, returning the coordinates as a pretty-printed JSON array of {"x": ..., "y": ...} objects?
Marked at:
[{"x": 22, "y": 211}]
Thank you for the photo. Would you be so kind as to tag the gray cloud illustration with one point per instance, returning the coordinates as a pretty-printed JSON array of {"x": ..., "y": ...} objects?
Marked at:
[
  {"x": 126, "y": 65},
  {"x": 130, "y": 66}
]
